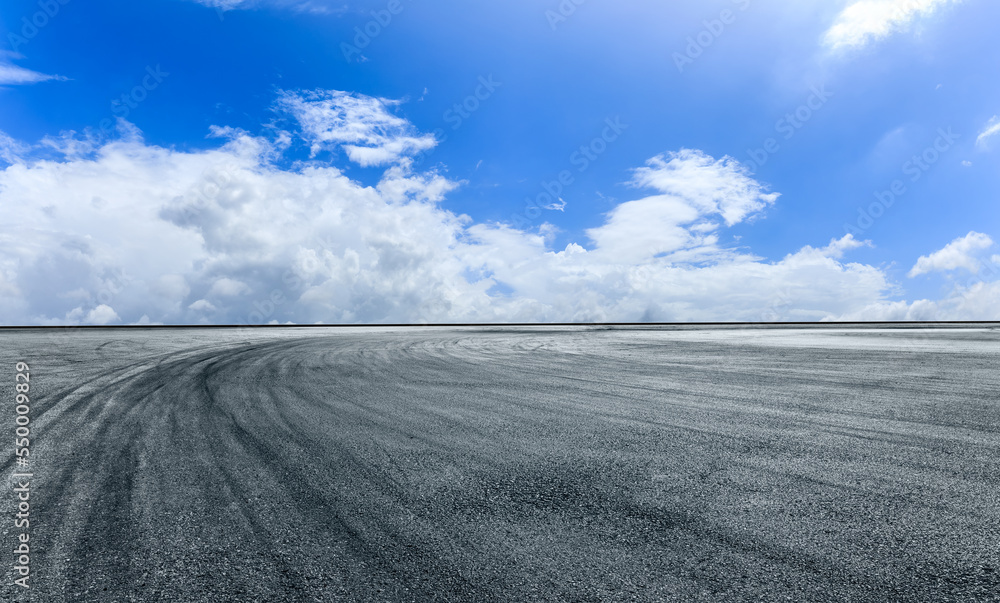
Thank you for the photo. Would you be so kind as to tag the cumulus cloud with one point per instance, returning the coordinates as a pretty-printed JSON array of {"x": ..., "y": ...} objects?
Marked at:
[
  {"x": 867, "y": 21},
  {"x": 959, "y": 254},
  {"x": 991, "y": 129},
  {"x": 363, "y": 126},
  {"x": 976, "y": 296},
  {"x": 587, "y": 285},
  {"x": 977, "y": 301},
  {"x": 724, "y": 186},
  {"x": 134, "y": 233},
  {"x": 202, "y": 305},
  {"x": 99, "y": 316},
  {"x": 838, "y": 247},
  {"x": 696, "y": 192}
]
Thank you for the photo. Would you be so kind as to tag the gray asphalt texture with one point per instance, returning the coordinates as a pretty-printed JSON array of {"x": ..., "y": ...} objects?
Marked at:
[{"x": 509, "y": 464}]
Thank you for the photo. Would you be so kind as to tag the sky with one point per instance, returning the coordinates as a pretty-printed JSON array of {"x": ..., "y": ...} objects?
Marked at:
[{"x": 407, "y": 161}]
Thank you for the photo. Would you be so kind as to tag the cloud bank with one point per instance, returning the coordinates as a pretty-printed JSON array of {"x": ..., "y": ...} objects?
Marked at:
[
  {"x": 124, "y": 232},
  {"x": 975, "y": 293}
]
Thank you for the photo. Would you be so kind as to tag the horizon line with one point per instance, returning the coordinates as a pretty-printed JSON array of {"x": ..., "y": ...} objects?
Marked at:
[{"x": 514, "y": 324}]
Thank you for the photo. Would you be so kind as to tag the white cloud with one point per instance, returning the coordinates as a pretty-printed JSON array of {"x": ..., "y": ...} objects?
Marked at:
[
  {"x": 838, "y": 247},
  {"x": 710, "y": 186},
  {"x": 11, "y": 150},
  {"x": 977, "y": 297},
  {"x": 227, "y": 287},
  {"x": 575, "y": 284},
  {"x": 978, "y": 301},
  {"x": 559, "y": 205},
  {"x": 319, "y": 7},
  {"x": 866, "y": 21},
  {"x": 991, "y": 129},
  {"x": 14, "y": 75},
  {"x": 227, "y": 4},
  {"x": 101, "y": 315},
  {"x": 362, "y": 126},
  {"x": 679, "y": 224},
  {"x": 202, "y": 305},
  {"x": 960, "y": 253},
  {"x": 638, "y": 230},
  {"x": 252, "y": 242}
]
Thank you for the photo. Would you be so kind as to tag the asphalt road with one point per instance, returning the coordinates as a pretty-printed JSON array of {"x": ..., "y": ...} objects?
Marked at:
[{"x": 559, "y": 464}]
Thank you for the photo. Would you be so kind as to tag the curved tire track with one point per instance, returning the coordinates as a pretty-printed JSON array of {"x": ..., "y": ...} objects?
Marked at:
[{"x": 493, "y": 465}]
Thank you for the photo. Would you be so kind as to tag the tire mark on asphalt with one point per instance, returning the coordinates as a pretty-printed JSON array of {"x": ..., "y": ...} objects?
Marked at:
[{"x": 514, "y": 465}]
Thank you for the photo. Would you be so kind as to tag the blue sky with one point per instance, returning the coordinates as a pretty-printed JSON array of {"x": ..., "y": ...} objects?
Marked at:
[{"x": 713, "y": 158}]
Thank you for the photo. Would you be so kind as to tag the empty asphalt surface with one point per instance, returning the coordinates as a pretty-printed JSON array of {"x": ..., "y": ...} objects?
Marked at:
[{"x": 556, "y": 464}]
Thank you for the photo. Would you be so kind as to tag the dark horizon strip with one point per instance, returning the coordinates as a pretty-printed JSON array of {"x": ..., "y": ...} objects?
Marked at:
[{"x": 515, "y": 324}]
